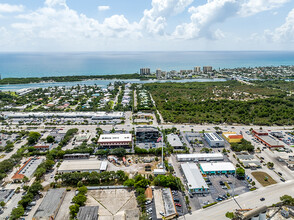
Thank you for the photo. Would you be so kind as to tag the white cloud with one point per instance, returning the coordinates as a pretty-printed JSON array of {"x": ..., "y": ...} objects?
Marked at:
[
  {"x": 252, "y": 7},
  {"x": 57, "y": 21},
  {"x": 103, "y": 8},
  {"x": 7, "y": 8},
  {"x": 205, "y": 16},
  {"x": 284, "y": 33},
  {"x": 154, "y": 20}
]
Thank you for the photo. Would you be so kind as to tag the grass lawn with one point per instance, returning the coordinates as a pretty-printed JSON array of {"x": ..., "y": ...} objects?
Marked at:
[
  {"x": 261, "y": 176},
  {"x": 2, "y": 156}
]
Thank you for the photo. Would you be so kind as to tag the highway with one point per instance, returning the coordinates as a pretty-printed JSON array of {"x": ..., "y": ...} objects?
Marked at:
[{"x": 248, "y": 200}]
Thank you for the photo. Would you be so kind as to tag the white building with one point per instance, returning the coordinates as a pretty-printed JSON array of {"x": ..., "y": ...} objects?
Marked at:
[
  {"x": 214, "y": 140},
  {"x": 200, "y": 157},
  {"x": 115, "y": 140},
  {"x": 194, "y": 178},
  {"x": 174, "y": 141},
  {"x": 217, "y": 168},
  {"x": 70, "y": 166}
]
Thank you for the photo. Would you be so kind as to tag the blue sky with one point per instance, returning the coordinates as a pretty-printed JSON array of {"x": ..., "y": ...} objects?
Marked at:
[{"x": 146, "y": 25}]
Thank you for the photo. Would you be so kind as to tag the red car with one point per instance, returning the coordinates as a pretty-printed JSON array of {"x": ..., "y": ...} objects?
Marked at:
[{"x": 179, "y": 205}]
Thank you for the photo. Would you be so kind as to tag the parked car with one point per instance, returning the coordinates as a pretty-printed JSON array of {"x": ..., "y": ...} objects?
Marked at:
[
  {"x": 179, "y": 205},
  {"x": 280, "y": 173},
  {"x": 262, "y": 199}
]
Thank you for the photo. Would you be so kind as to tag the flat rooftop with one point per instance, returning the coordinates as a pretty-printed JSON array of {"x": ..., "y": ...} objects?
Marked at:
[
  {"x": 168, "y": 201},
  {"x": 174, "y": 140},
  {"x": 200, "y": 156},
  {"x": 270, "y": 140},
  {"x": 105, "y": 138},
  {"x": 221, "y": 166},
  {"x": 50, "y": 203},
  {"x": 88, "y": 213},
  {"x": 79, "y": 165},
  {"x": 193, "y": 176},
  {"x": 213, "y": 137}
]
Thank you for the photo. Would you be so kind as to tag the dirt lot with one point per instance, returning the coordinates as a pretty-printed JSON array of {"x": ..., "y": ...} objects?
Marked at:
[
  {"x": 133, "y": 167},
  {"x": 261, "y": 176},
  {"x": 113, "y": 203}
]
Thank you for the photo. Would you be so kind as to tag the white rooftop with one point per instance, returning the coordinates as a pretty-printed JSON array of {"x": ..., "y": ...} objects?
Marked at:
[
  {"x": 193, "y": 176},
  {"x": 200, "y": 156},
  {"x": 114, "y": 138},
  {"x": 220, "y": 166},
  {"x": 174, "y": 140},
  {"x": 79, "y": 165}
]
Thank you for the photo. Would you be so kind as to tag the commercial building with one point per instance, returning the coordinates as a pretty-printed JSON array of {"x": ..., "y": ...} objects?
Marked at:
[
  {"x": 217, "y": 168},
  {"x": 174, "y": 141},
  {"x": 200, "y": 157},
  {"x": 88, "y": 213},
  {"x": 214, "y": 140},
  {"x": 164, "y": 203},
  {"x": 147, "y": 134},
  {"x": 115, "y": 140},
  {"x": 159, "y": 172},
  {"x": 43, "y": 147},
  {"x": 194, "y": 178},
  {"x": 28, "y": 169},
  {"x": 232, "y": 137},
  {"x": 70, "y": 166},
  {"x": 269, "y": 141},
  {"x": 259, "y": 132},
  {"x": 249, "y": 161},
  {"x": 145, "y": 71},
  {"x": 6, "y": 194},
  {"x": 50, "y": 205},
  {"x": 77, "y": 156}
]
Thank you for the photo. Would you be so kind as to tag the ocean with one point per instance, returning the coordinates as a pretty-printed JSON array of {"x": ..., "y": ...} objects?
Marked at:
[{"x": 101, "y": 63}]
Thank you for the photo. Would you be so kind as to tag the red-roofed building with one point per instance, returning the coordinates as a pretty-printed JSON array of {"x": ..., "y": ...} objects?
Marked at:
[
  {"x": 259, "y": 132},
  {"x": 28, "y": 169},
  {"x": 43, "y": 147}
]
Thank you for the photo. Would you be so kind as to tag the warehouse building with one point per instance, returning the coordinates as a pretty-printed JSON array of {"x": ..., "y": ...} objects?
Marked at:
[
  {"x": 217, "y": 168},
  {"x": 214, "y": 140},
  {"x": 259, "y": 132},
  {"x": 164, "y": 203},
  {"x": 88, "y": 213},
  {"x": 194, "y": 178},
  {"x": 269, "y": 141},
  {"x": 147, "y": 134},
  {"x": 50, "y": 205},
  {"x": 200, "y": 157},
  {"x": 174, "y": 141},
  {"x": 70, "y": 166},
  {"x": 115, "y": 140},
  {"x": 232, "y": 137},
  {"x": 28, "y": 169}
]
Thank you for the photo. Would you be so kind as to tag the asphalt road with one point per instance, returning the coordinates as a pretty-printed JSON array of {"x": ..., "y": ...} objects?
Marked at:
[{"x": 251, "y": 200}]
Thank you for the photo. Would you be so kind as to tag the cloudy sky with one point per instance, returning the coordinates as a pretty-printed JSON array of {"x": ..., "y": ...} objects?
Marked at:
[{"x": 144, "y": 25}]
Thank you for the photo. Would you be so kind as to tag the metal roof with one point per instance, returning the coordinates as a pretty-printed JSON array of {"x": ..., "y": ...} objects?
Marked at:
[
  {"x": 211, "y": 156},
  {"x": 50, "y": 204},
  {"x": 193, "y": 176},
  {"x": 213, "y": 136},
  {"x": 88, "y": 213}
]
